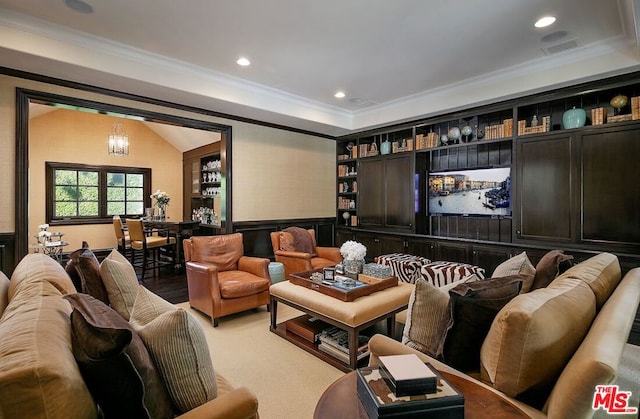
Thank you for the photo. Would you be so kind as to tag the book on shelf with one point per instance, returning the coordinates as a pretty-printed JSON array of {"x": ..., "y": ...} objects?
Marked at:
[
  {"x": 380, "y": 402},
  {"x": 407, "y": 375},
  {"x": 307, "y": 327},
  {"x": 337, "y": 353}
]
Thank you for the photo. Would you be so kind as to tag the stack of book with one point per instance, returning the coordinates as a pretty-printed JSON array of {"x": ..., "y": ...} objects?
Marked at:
[
  {"x": 380, "y": 402},
  {"x": 429, "y": 140},
  {"x": 598, "y": 116},
  {"x": 335, "y": 342},
  {"x": 635, "y": 107},
  {"x": 307, "y": 327}
]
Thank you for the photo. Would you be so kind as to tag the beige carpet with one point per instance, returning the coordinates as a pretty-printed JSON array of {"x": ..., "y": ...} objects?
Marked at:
[
  {"x": 289, "y": 381},
  {"x": 286, "y": 380}
]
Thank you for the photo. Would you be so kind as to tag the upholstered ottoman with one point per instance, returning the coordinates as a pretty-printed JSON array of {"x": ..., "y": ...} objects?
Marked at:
[
  {"x": 405, "y": 267},
  {"x": 442, "y": 273}
]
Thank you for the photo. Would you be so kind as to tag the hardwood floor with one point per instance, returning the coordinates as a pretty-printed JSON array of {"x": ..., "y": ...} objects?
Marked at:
[{"x": 169, "y": 284}]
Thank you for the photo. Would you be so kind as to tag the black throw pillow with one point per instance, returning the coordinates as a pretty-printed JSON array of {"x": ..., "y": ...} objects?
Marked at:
[{"x": 473, "y": 307}]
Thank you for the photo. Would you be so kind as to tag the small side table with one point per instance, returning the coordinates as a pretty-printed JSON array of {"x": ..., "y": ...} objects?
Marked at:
[
  {"x": 53, "y": 249},
  {"x": 276, "y": 271}
]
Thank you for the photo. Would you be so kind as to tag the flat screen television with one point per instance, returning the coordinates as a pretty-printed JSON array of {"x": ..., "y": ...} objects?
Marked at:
[{"x": 481, "y": 192}]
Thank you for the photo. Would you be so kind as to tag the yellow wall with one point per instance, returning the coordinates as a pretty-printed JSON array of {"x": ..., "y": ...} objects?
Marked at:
[
  {"x": 66, "y": 136},
  {"x": 277, "y": 174}
]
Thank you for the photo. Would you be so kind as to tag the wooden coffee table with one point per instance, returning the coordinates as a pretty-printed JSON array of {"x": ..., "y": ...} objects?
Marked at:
[{"x": 340, "y": 400}]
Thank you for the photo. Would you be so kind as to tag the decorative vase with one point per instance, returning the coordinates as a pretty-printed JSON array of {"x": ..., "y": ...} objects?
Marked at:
[
  {"x": 574, "y": 118},
  {"x": 162, "y": 212},
  {"x": 385, "y": 147},
  {"x": 352, "y": 267}
]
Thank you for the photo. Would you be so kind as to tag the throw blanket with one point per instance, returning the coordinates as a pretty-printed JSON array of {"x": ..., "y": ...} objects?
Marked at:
[{"x": 302, "y": 240}]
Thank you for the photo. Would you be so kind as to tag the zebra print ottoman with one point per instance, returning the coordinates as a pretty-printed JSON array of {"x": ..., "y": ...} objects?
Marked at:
[
  {"x": 405, "y": 267},
  {"x": 441, "y": 273}
]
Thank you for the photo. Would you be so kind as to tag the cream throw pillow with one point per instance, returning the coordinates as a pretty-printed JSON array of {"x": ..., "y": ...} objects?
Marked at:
[
  {"x": 518, "y": 264},
  {"x": 428, "y": 316},
  {"x": 120, "y": 281},
  {"x": 177, "y": 344},
  {"x": 533, "y": 337}
]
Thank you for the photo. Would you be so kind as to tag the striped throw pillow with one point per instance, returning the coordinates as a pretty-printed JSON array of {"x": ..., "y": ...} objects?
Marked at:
[{"x": 178, "y": 346}]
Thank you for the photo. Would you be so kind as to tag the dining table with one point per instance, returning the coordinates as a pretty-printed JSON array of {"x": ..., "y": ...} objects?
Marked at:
[{"x": 180, "y": 229}]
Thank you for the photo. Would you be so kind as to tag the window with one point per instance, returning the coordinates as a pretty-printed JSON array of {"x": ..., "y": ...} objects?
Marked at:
[{"x": 82, "y": 194}]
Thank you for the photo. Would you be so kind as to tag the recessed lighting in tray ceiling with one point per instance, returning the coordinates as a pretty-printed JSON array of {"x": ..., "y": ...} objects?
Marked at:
[
  {"x": 79, "y": 6},
  {"x": 243, "y": 61},
  {"x": 545, "y": 21},
  {"x": 340, "y": 94}
]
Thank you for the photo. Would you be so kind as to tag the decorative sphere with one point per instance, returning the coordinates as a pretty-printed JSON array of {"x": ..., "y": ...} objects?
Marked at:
[
  {"x": 454, "y": 133},
  {"x": 444, "y": 139},
  {"x": 346, "y": 215},
  {"x": 466, "y": 130},
  {"x": 619, "y": 101}
]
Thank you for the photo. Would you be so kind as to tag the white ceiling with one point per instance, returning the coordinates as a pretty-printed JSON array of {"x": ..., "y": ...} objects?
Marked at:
[{"x": 396, "y": 60}]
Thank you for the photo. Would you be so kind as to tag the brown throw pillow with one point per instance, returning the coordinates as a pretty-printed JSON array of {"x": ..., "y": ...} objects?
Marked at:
[
  {"x": 428, "y": 317},
  {"x": 473, "y": 307},
  {"x": 302, "y": 240},
  {"x": 549, "y": 267},
  {"x": 114, "y": 362},
  {"x": 84, "y": 269}
]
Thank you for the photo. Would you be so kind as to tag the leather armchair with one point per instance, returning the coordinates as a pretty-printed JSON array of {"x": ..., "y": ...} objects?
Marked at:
[
  {"x": 301, "y": 261},
  {"x": 220, "y": 279}
]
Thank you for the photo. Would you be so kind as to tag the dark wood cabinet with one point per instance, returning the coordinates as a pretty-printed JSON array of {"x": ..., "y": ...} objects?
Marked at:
[
  {"x": 489, "y": 257},
  {"x": 386, "y": 189},
  {"x": 545, "y": 188},
  {"x": 610, "y": 202},
  {"x": 454, "y": 251}
]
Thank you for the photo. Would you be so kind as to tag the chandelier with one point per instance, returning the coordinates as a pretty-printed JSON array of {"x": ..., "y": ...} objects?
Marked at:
[{"x": 118, "y": 141}]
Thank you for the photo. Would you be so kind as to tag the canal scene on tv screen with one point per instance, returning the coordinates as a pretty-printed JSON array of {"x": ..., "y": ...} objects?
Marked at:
[{"x": 471, "y": 192}]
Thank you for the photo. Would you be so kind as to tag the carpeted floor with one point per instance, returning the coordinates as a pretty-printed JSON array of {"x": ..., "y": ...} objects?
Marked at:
[
  {"x": 289, "y": 381},
  {"x": 286, "y": 380}
]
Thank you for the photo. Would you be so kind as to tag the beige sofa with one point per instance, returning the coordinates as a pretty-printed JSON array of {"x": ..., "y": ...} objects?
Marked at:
[
  {"x": 39, "y": 376},
  {"x": 565, "y": 338}
]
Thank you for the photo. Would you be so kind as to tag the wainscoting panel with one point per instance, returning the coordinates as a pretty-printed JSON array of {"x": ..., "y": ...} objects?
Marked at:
[
  {"x": 7, "y": 254},
  {"x": 257, "y": 234}
]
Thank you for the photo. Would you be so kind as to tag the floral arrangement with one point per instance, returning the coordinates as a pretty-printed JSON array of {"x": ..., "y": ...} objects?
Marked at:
[
  {"x": 162, "y": 199},
  {"x": 352, "y": 250}
]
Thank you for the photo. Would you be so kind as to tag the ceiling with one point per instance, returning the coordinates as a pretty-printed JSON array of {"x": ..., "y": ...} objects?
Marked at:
[{"x": 395, "y": 60}]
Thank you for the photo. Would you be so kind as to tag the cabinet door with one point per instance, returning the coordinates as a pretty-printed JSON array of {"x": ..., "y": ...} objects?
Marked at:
[
  {"x": 424, "y": 248},
  {"x": 489, "y": 257},
  {"x": 399, "y": 199},
  {"x": 343, "y": 235},
  {"x": 545, "y": 179},
  {"x": 454, "y": 252},
  {"x": 371, "y": 242},
  {"x": 371, "y": 193},
  {"x": 610, "y": 167},
  {"x": 391, "y": 244}
]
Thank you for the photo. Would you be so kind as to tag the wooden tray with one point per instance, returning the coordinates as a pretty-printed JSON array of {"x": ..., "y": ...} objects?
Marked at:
[{"x": 372, "y": 285}]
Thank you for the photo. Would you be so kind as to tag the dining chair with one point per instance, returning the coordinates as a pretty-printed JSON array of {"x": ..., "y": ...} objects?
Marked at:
[
  {"x": 144, "y": 244},
  {"x": 122, "y": 237}
]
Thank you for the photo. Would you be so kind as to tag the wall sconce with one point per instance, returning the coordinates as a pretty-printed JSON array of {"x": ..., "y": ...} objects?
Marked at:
[{"x": 118, "y": 141}]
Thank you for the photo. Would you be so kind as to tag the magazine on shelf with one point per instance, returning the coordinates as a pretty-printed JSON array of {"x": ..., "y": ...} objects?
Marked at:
[
  {"x": 339, "y": 354},
  {"x": 379, "y": 401},
  {"x": 339, "y": 339}
]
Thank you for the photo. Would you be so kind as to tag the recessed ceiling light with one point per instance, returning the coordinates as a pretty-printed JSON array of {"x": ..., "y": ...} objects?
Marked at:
[
  {"x": 340, "y": 94},
  {"x": 243, "y": 61},
  {"x": 545, "y": 21},
  {"x": 79, "y": 6}
]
